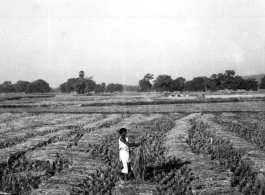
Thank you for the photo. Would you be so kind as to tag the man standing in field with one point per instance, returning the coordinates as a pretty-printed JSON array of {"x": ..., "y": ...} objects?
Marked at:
[{"x": 124, "y": 146}]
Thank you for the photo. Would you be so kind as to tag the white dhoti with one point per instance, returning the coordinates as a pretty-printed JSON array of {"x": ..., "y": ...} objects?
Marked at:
[{"x": 125, "y": 159}]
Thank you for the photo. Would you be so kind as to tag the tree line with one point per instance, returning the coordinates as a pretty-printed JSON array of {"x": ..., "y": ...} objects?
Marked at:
[
  {"x": 161, "y": 83},
  {"x": 86, "y": 85},
  {"x": 227, "y": 80},
  {"x": 38, "y": 86}
]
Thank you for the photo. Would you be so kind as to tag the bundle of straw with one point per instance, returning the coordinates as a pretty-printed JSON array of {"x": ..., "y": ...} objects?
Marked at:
[{"x": 139, "y": 163}]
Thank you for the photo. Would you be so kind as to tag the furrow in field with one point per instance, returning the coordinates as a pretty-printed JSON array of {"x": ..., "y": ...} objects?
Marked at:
[
  {"x": 162, "y": 175},
  {"x": 126, "y": 122},
  {"x": 12, "y": 138},
  {"x": 12, "y": 159},
  {"x": 78, "y": 176},
  {"x": 244, "y": 159},
  {"x": 38, "y": 155},
  {"x": 247, "y": 126},
  {"x": 51, "y": 159},
  {"x": 219, "y": 131},
  {"x": 8, "y": 155},
  {"x": 71, "y": 180},
  {"x": 87, "y": 139},
  {"x": 36, "y": 166},
  {"x": 74, "y": 178},
  {"x": 209, "y": 176},
  {"x": 31, "y": 122},
  {"x": 96, "y": 136},
  {"x": 137, "y": 127},
  {"x": 7, "y": 117}
]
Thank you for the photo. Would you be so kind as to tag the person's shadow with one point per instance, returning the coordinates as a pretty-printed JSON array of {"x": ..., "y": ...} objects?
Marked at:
[{"x": 152, "y": 173}]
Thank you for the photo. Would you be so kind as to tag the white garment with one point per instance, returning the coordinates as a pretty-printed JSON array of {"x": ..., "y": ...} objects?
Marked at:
[
  {"x": 124, "y": 155},
  {"x": 123, "y": 146}
]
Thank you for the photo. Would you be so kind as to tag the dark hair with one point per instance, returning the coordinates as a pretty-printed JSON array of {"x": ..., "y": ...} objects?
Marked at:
[{"x": 122, "y": 130}]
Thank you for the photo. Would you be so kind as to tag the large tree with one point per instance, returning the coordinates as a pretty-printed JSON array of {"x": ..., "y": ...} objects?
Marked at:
[
  {"x": 145, "y": 84},
  {"x": 100, "y": 88},
  {"x": 42, "y": 86},
  {"x": 219, "y": 80},
  {"x": 21, "y": 86},
  {"x": 114, "y": 87},
  {"x": 7, "y": 87},
  {"x": 70, "y": 85},
  {"x": 85, "y": 85},
  {"x": 90, "y": 85},
  {"x": 63, "y": 88},
  {"x": 228, "y": 78},
  {"x": 188, "y": 86},
  {"x": 209, "y": 84},
  {"x": 82, "y": 85},
  {"x": 198, "y": 84},
  {"x": 32, "y": 88},
  {"x": 236, "y": 83},
  {"x": 250, "y": 84},
  {"x": 162, "y": 83},
  {"x": 178, "y": 84}
]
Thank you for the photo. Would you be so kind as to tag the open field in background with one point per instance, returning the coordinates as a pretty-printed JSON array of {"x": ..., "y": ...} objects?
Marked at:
[
  {"x": 17, "y": 96},
  {"x": 68, "y": 144},
  {"x": 137, "y": 102},
  {"x": 72, "y": 99},
  {"x": 253, "y": 106}
]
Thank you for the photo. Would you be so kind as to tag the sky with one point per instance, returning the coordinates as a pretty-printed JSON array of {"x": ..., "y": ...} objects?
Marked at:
[{"x": 119, "y": 41}]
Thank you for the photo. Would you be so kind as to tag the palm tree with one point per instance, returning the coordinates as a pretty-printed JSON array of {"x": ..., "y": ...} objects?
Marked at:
[{"x": 81, "y": 74}]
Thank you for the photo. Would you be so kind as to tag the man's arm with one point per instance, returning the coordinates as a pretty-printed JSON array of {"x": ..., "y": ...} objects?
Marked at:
[{"x": 129, "y": 144}]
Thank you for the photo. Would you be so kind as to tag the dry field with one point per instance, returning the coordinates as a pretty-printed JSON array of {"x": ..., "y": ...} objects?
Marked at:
[{"x": 69, "y": 148}]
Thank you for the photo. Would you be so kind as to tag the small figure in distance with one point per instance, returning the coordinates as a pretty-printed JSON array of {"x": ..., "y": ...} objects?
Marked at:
[{"x": 124, "y": 146}]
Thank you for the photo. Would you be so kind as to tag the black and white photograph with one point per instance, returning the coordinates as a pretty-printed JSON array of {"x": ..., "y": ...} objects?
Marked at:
[{"x": 132, "y": 97}]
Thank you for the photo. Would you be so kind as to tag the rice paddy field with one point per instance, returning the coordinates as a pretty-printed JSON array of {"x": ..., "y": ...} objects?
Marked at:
[{"x": 68, "y": 144}]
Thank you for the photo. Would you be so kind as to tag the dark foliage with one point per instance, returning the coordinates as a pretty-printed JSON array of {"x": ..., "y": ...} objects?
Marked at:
[{"x": 114, "y": 87}]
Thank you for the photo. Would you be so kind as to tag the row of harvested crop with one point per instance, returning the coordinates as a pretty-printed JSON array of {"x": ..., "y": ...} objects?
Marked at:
[
  {"x": 103, "y": 179},
  {"x": 33, "y": 121},
  {"x": 16, "y": 137},
  {"x": 233, "y": 154},
  {"x": 7, "y": 117},
  {"x": 47, "y": 161},
  {"x": 24, "y": 136},
  {"x": 75, "y": 179},
  {"x": 166, "y": 173},
  {"x": 170, "y": 175},
  {"x": 21, "y": 163},
  {"x": 251, "y": 134}
]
